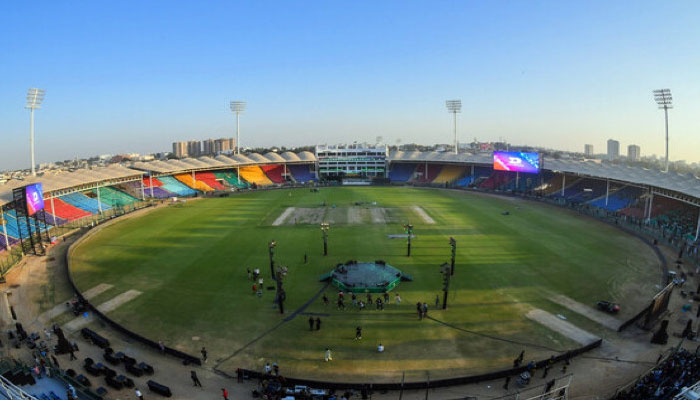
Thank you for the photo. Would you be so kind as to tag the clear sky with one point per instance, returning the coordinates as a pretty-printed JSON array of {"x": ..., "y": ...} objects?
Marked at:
[{"x": 134, "y": 76}]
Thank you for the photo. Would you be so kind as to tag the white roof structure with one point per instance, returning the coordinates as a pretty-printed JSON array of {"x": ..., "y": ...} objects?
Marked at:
[
  {"x": 222, "y": 161},
  {"x": 56, "y": 182},
  {"x": 687, "y": 184}
]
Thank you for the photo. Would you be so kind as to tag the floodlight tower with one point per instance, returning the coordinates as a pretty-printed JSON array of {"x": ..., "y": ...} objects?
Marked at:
[
  {"x": 34, "y": 98},
  {"x": 325, "y": 226},
  {"x": 665, "y": 101},
  {"x": 237, "y": 107},
  {"x": 454, "y": 106}
]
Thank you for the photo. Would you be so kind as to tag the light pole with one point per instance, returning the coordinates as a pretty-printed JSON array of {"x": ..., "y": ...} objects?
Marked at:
[
  {"x": 665, "y": 101},
  {"x": 325, "y": 226},
  {"x": 281, "y": 295},
  {"x": 271, "y": 247},
  {"x": 237, "y": 107},
  {"x": 445, "y": 271},
  {"x": 453, "y": 244},
  {"x": 454, "y": 106},
  {"x": 409, "y": 233},
  {"x": 34, "y": 98}
]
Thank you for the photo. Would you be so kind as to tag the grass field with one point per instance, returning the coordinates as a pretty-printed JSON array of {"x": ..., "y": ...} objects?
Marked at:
[{"x": 189, "y": 261}]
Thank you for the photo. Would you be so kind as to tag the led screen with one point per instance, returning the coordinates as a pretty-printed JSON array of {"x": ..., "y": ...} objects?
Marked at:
[
  {"x": 35, "y": 198},
  {"x": 516, "y": 161}
]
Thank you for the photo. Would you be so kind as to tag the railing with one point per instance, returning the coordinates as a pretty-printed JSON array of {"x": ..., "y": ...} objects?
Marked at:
[{"x": 12, "y": 392}]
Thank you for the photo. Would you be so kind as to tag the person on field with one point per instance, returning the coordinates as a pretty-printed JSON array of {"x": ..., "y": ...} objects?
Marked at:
[
  {"x": 358, "y": 333},
  {"x": 329, "y": 356},
  {"x": 362, "y": 305},
  {"x": 224, "y": 393},
  {"x": 341, "y": 304},
  {"x": 250, "y": 274},
  {"x": 325, "y": 300},
  {"x": 386, "y": 298},
  {"x": 425, "y": 310},
  {"x": 380, "y": 348},
  {"x": 318, "y": 323},
  {"x": 398, "y": 299},
  {"x": 195, "y": 379},
  {"x": 255, "y": 289},
  {"x": 138, "y": 394},
  {"x": 354, "y": 300},
  {"x": 204, "y": 354},
  {"x": 369, "y": 298},
  {"x": 437, "y": 300},
  {"x": 311, "y": 323},
  {"x": 419, "y": 308},
  {"x": 268, "y": 368}
]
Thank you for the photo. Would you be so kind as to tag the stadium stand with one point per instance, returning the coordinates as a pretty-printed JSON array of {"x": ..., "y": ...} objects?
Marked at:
[
  {"x": 231, "y": 178},
  {"x": 433, "y": 172},
  {"x": 480, "y": 173},
  {"x": 449, "y": 174},
  {"x": 194, "y": 184},
  {"x": 402, "y": 172},
  {"x": 680, "y": 370},
  {"x": 498, "y": 180},
  {"x": 175, "y": 187},
  {"x": 619, "y": 199},
  {"x": 255, "y": 175},
  {"x": 301, "y": 173},
  {"x": 12, "y": 228},
  {"x": 210, "y": 180},
  {"x": 274, "y": 172},
  {"x": 584, "y": 189},
  {"x": 64, "y": 211},
  {"x": 84, "y": 202},
  {"x": 147, "y": 182},
  {"x": 553, "y": 185},
  {"x": 114, "y": 197}
]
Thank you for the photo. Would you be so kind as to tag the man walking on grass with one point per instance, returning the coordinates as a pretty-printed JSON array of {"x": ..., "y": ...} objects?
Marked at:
[
  {"x": 311, "y": 323},
  {"x": 195, "y": 379},
  {"x": 328, "y": 355}
]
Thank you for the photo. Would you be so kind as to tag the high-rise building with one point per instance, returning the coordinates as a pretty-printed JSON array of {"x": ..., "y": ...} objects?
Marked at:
[
  {"x": 208, "y": 147},
  {"x": 194, "y": 148},
  {"x": 180, "y": 149},
  {"x": 634, "y": 152},
  {"x": 224, "y": 145},
  {"x": 588, "y": 150},
  {"x": 613, "y": 149}
]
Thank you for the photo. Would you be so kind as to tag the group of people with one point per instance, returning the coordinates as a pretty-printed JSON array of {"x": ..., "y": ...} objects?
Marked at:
[
  {"x": 270, "y": 369},
  {"x": 361, "y": 304},
  {"x": 665, "y": 381},
  {"x": 258, "y": 281}
]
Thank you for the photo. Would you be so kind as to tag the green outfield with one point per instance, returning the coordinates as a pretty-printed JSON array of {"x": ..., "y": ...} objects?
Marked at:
[{"x": 189, "y": 263}]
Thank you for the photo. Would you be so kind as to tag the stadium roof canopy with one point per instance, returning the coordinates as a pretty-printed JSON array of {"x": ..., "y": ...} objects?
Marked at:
[
  {"x": 222, "y": 162},
  {"x": 60, "y": 181},
  {"x": 687, "y": 184}
]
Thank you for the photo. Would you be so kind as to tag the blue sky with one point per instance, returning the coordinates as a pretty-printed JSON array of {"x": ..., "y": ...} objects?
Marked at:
[{"x": 135, "y": 76}]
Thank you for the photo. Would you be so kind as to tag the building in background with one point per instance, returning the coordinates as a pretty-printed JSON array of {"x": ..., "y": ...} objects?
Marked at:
[
  {"x": 208, "y": 147},
  {"x": 194, "y": 148},
  {"x": 588, "y": 150},
  {"x": 634, "y": 152},
  {"x": 613, "y": 149},
  {"x": 180, "y": 149},
  {"x": 355, "y": 160},
  {"x": 224, "y": 145}
]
